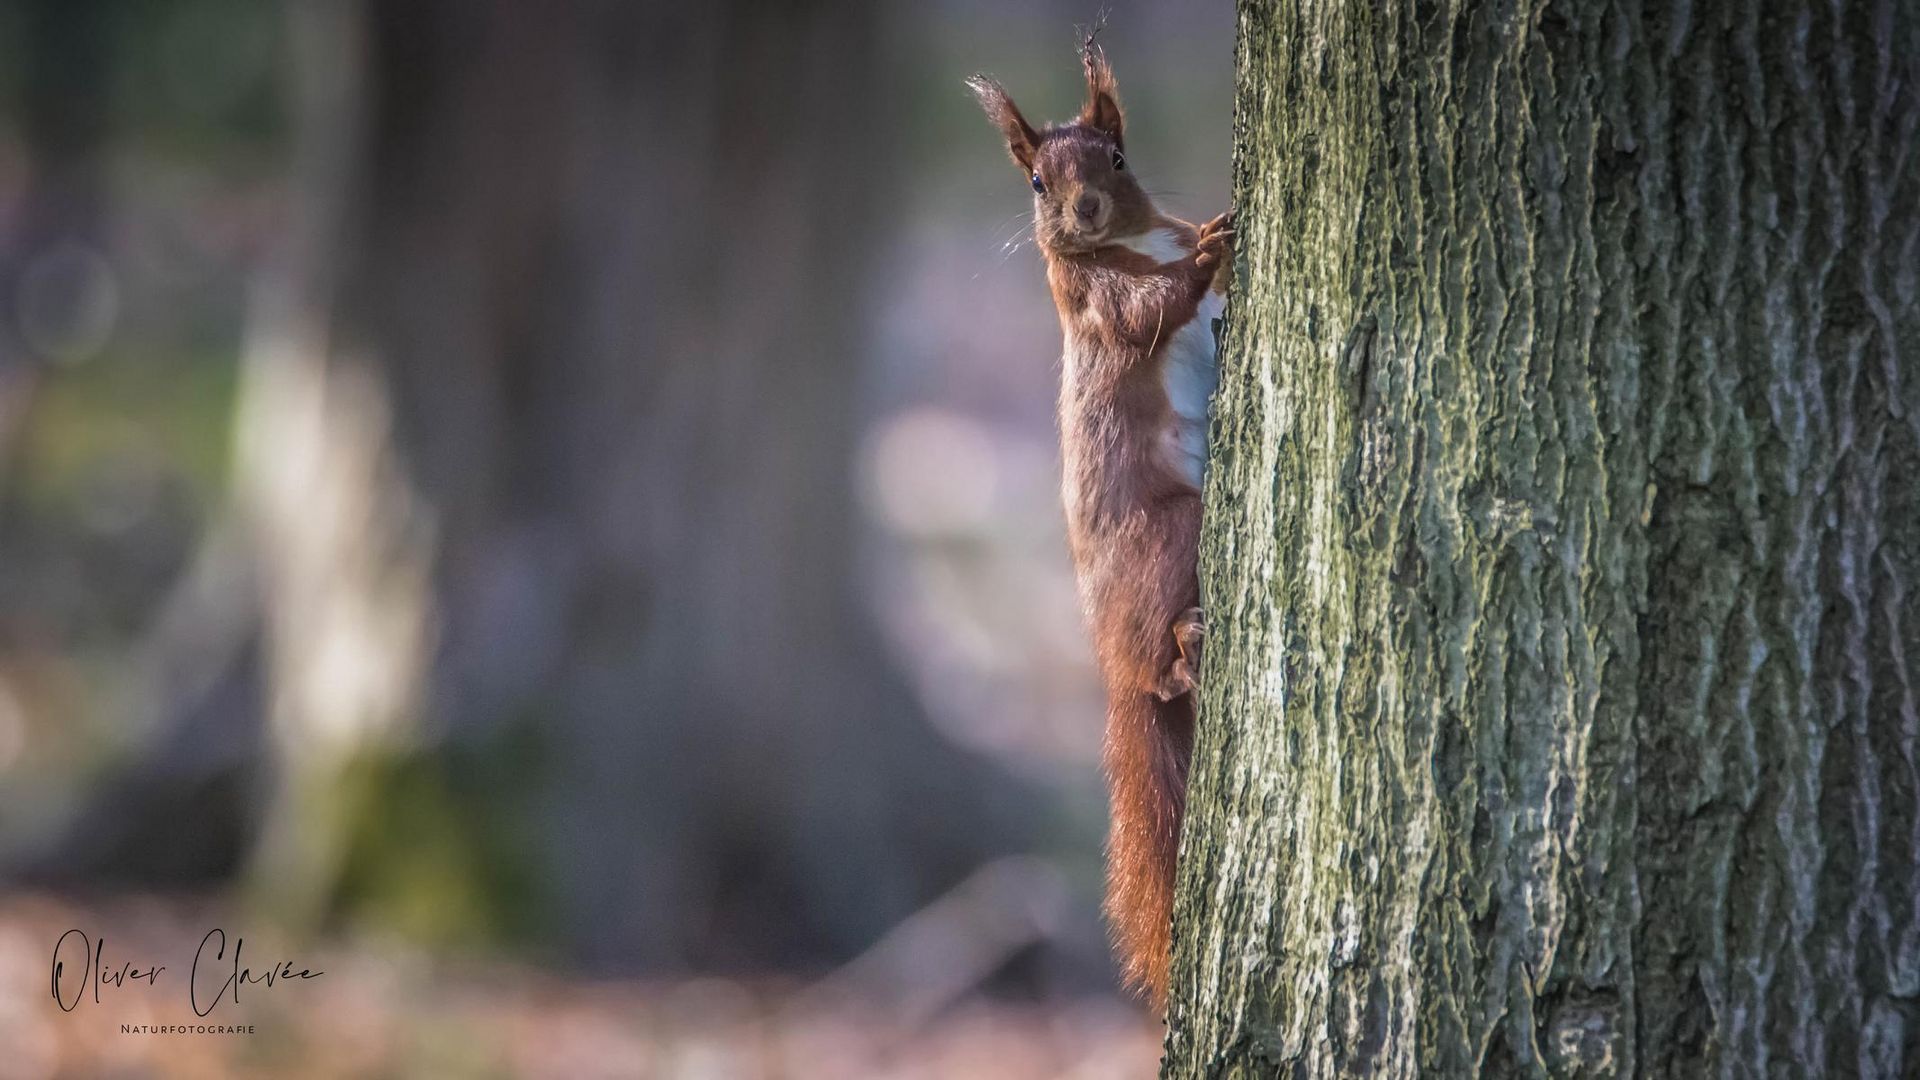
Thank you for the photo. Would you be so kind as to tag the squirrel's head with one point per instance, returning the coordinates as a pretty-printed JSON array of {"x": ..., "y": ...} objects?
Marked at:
[{"x": 1084, "y": 195}]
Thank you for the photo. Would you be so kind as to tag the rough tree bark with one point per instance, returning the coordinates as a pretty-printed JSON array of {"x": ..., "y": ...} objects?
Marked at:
[{"x": 1562, "y": 714}]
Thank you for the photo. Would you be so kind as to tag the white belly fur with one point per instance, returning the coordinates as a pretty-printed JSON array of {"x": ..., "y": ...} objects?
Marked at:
[
  {"x": 1161, "y": 245},
  {"x": 1190, "y": 371}
]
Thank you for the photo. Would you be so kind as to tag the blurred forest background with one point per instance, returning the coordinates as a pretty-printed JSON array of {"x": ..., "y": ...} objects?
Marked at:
[{"x": 551, "y": 508}]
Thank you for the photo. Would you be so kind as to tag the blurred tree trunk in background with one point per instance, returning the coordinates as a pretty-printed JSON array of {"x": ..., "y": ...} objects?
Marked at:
[
  {"x": 1562, "y": 714},
  {"x": 64, "y": 124},
  {"x": 188, "y": 720},
  {"x": 545, "y": 442}
]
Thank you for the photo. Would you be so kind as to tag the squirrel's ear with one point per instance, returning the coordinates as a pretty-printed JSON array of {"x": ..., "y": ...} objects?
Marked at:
[
  {"x": 1102, "y": 110},
  {"x": 1022, "y": 141}
]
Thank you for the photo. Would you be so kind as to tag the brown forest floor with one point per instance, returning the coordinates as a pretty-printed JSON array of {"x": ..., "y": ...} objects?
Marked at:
[{"x": 385, "y": 1010}]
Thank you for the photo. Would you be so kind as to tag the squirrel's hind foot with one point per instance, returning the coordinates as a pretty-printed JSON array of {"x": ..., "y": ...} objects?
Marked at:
[{"x": 1183, "y": 674}]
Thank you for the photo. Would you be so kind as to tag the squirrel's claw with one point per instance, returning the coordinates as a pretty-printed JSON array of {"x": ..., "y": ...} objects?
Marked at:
[{"x": 1215, "y": 242}]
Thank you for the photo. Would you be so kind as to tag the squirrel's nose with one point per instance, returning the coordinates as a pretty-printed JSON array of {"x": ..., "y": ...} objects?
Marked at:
[{"x": 1087, "y": 207}]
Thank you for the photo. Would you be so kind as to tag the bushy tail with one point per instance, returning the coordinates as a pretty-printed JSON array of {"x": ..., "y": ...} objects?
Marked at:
[{"x": 1148, "y": 746}]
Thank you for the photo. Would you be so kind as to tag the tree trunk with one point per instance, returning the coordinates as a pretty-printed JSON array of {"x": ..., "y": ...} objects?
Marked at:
[{"x": 1562, "y": 710}]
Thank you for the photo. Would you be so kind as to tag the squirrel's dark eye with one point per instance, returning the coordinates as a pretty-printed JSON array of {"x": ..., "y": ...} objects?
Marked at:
[
  {"x": 1038, "y": 187},
  {"x": 1119, "y": 160}
]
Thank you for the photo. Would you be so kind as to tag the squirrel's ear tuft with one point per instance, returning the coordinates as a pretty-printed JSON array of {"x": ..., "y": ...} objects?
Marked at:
[
  {"x": 1022, "y": 141},
  {"x": 1102, "y": 110}
]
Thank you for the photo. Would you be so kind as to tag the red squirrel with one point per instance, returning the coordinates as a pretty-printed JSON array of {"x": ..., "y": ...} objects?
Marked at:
[{"x": 1137, "y": 292}]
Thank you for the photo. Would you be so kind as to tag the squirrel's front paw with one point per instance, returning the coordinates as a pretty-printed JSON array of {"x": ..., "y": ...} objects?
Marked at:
[{"x": 1216, "y": 242}]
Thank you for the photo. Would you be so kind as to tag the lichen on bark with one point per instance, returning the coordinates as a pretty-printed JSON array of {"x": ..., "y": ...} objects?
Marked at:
[{"x": 1560, "y": 711}]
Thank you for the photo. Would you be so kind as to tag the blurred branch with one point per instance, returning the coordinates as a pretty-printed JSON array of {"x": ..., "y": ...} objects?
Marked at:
[
  {"x": 172, "y": 807},
  {"x": 951, "y": 947}
]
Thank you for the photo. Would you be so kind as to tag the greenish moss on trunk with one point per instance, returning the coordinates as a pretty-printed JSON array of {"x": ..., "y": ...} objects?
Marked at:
[{"x": 1562, "y": 705}]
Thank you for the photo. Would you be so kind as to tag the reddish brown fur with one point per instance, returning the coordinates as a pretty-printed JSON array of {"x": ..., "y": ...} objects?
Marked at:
[{"x": 1133, "y": 516}]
